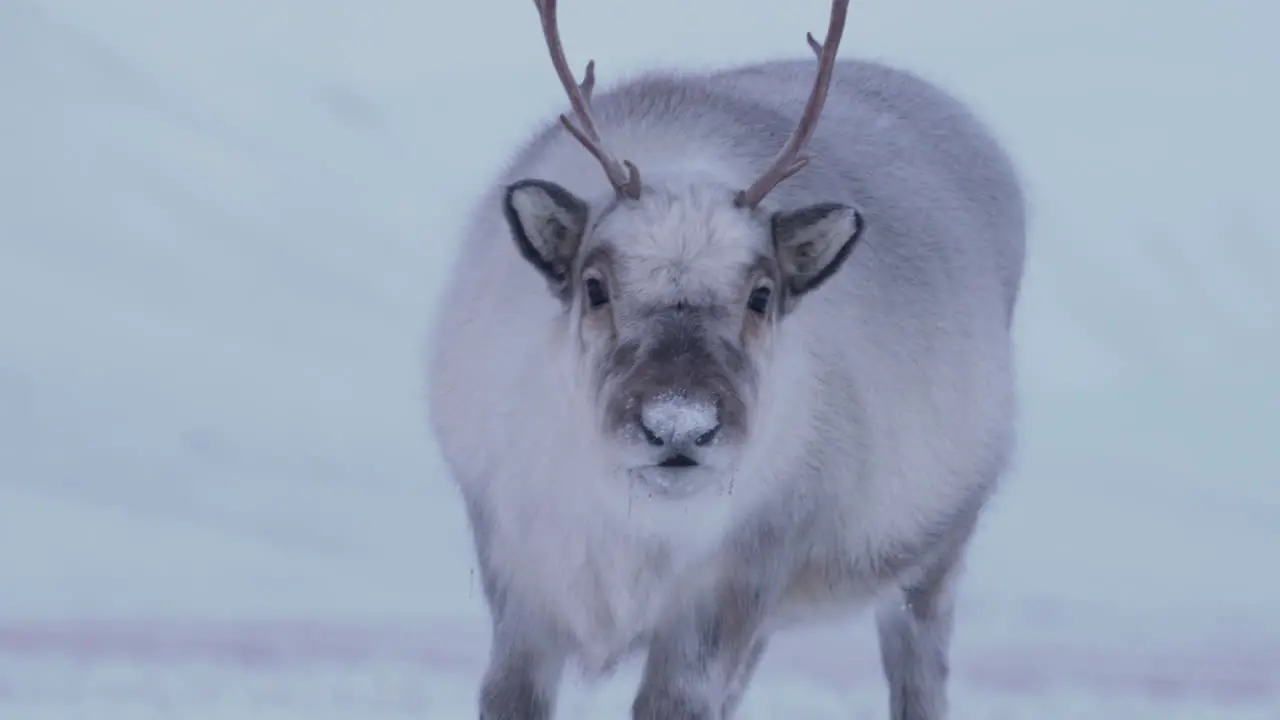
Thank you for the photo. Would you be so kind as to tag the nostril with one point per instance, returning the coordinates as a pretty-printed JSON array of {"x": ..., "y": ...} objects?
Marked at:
[
  {"x": 652, "y": 439},
  {"x": 707, "y": 436}
]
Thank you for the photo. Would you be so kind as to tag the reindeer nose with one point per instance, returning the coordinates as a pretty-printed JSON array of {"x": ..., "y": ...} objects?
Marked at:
[{"x": 679, "y": 423}]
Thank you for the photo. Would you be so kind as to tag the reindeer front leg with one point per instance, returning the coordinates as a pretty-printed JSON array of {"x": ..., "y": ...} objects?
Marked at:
[
  {"x": 526, "y": 653},
  {"x": 738, "y": 686},
  {"x": 695, "y": 659},
  {"x": 915, "y": 638},
  {"x": 700, "y": 660},
  {"x": 522, "y": 677}
]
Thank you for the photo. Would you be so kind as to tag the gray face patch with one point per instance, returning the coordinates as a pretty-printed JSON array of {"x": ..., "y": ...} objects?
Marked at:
[{"x": 684, "y": 363}]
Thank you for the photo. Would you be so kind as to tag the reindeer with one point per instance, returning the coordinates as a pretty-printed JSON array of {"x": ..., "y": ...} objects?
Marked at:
[{"x": 719, "y": 395}]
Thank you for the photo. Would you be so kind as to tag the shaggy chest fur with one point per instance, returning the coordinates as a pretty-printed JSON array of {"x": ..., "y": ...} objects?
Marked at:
[
  {"x": 605, "y": 566},
  {"x": 616, "y": 594},
  {"x": 604, "y": 580}
]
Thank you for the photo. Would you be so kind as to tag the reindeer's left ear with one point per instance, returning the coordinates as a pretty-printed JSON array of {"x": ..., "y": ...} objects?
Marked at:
[{"x": 813, "y": 242}]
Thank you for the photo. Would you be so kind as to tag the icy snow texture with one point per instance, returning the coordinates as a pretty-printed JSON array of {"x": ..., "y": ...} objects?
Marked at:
[{"x": 223, "y": 223}]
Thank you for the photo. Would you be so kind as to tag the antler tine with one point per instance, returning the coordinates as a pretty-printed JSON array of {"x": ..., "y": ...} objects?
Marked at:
[
  {"x": 624, "y": 176},
  {"x": 789, "y": 161},
  {"x": 814, "y": 45},
  {"x": 588, "y": 81}
]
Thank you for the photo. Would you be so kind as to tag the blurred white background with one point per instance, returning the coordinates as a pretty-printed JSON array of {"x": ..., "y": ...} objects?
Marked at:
[{"x": 223, "y": 226}]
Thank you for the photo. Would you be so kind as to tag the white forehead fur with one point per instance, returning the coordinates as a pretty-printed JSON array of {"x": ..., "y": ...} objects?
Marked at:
[{"x": 687, "y": 240}]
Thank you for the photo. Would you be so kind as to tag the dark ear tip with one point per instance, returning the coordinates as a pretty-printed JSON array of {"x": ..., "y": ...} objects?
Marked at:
[
  {"x": 521, "y": 184},
  {"x": 508, "y": 197},
  {"x": 834, "y": 248},
  {"x": 557, "y": 193},
  {"x": 859, "y": 221}
]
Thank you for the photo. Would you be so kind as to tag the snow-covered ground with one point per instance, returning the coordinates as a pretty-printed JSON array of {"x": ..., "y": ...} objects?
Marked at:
[{"x": 223, "y": 224}]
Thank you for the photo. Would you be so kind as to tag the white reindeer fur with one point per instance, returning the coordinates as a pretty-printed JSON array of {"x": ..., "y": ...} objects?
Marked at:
[{"x": 886, "y": 405}]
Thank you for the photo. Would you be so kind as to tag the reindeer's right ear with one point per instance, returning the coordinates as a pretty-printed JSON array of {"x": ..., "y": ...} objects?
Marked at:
[{"x": 547, "y": 223}]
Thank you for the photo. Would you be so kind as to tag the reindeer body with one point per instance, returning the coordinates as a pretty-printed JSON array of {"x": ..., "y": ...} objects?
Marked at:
[{"x": 883, "y": 415}]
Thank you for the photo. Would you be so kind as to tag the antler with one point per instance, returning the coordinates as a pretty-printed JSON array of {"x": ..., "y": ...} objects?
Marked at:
[
  {"x": 624, "y": 176},
  {"x": 814, "y": 45},
  {"x": 789, "y": 161}
]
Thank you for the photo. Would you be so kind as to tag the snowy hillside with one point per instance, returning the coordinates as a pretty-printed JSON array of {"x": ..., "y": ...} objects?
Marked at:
[{"x": 222, "y": 228}]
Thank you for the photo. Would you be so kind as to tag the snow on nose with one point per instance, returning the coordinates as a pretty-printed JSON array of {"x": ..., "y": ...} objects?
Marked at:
[{"x": 679, "y": 422}]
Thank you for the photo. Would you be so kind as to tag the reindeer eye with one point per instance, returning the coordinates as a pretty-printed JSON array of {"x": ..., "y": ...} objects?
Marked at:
[
  {"x": 758, "y": 303},
  {"x": 597, "y": 295}
]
